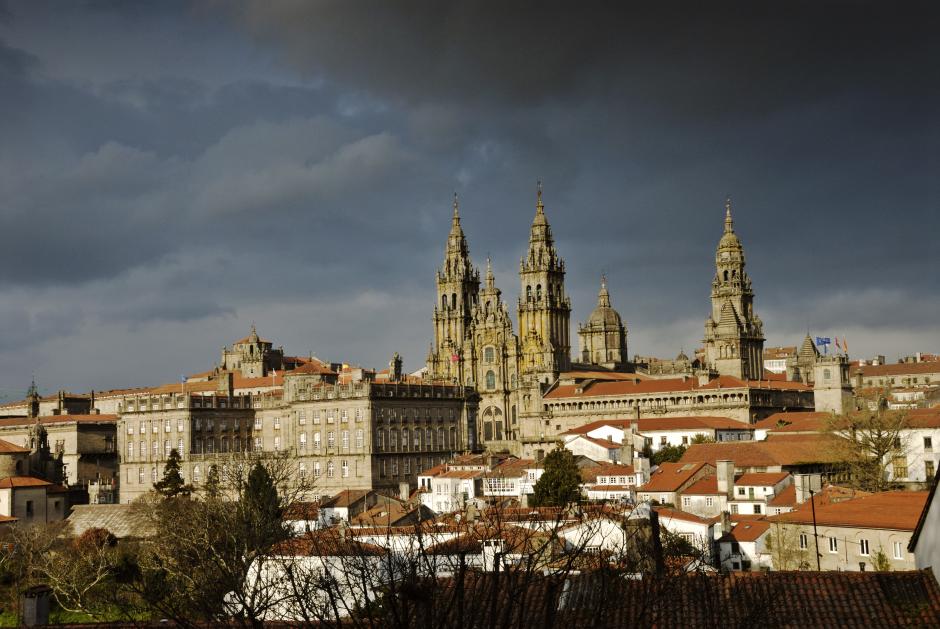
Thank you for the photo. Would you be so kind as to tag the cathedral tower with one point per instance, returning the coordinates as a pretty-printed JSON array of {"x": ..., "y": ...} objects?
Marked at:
[
  {"x": 734, "y": 335},
  {"x": 544, "y": 309},
  {"x": 496, "y": 358},
  {"x": 603, "y": 338},
  {"x": 458, "y": 284}
]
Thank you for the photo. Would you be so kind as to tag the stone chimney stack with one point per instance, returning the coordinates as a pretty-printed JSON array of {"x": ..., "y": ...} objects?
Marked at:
[
  {"x": 805, "y": 483},
  {"x": 226, "y": 384},
  {"x": 725, "y": 473},
  {"x": 404, "y": 491}
]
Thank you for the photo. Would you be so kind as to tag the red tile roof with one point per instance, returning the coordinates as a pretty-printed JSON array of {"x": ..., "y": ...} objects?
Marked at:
[
  {"x": 11, "y": 448},
  {"x": 749, "y": 531},
  {"x": 312, "y": 367},
  {"x": 761, "y": 479},
  {"x": 60, "y": 419},
  {"x": 345, "y": 498},
  {"x": 897, "y": 369},
  {"x": 784, "y": 451},
  {"x": 896, "y": 510},
  {"x": 707, "y": 486},
  {"x": 785, "y": 498},
  {"x": 666, "y": 385},
  {"x": 666, "y": 512},
  {"x": 652, "y": 424},
  {"x": 671, "y": 476},
  {"x": 22, "y": 481}
]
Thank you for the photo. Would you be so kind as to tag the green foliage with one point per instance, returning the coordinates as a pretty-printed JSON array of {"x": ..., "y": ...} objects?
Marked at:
[
  {"x": 880, "y": 561},
  {"x": 172, "y": 483},
  {"x": 668, "y": 454},
  {"x": 700, "y": 438},
  {"x": 260, "y": 508},
  {"x": 213, "y": 484},
  {"x": 560, "y": 484}
]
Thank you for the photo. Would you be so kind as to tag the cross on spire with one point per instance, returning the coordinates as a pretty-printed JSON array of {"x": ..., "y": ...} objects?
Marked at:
[{"x": 539, "y": 206}]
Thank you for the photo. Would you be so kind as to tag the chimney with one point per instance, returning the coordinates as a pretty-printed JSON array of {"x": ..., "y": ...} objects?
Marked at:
[
  {"x": 725, "y": 472},
  {"x": 805, "y": 483},
  {"x": 626, "y": 449},
  {"x": 404, "y": 491},
  {"x": 725, "y": 522},
  {"x": 226, "y": 383}
]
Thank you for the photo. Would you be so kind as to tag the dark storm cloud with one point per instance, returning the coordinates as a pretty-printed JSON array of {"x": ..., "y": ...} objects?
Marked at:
[{"x": 169, "y": 176}]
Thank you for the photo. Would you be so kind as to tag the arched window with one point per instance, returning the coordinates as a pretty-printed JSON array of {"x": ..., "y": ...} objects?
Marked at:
[
  {"x": 490, "y": 380},
  {"x": 197, "y": 474},
  {"x": 488, "y": 354},
  {"x": 538, "y": 292},
  {"x": 444, "y": 302},
  {"x": 528, "y": 293},
  {"x": 726, "y": 276},
  {"x": 330, "y": 469},
  {"x": 453, "y": 300}
]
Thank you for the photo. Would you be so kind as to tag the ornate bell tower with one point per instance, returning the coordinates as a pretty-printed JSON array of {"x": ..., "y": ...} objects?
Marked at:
[
  {"x": 734, "y": 335},
  {"x": 458, "y": 284},
  {"x": 544, "y": 309}
]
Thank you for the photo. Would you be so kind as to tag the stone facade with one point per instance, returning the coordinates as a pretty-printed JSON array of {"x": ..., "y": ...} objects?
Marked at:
[
  {"x": 734, "y": 334},
  {"x": 530, "y": 391},
  {"x": 357, "y": 435}
]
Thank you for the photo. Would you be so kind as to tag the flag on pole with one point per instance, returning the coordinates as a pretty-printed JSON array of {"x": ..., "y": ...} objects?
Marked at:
[{"x": 823, "y": 341}]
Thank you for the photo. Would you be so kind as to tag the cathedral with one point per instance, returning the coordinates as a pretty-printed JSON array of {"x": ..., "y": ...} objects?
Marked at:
[{"x": 516, "y": 371}]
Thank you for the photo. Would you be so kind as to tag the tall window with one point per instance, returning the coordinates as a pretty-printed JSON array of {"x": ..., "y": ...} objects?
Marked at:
[
  {"x": 428, "y": 439},
  {"x": 258, "y": 444},
  {"x": 301, "y": 417},
  {"x": 179, "y": 446},
  {"x": 490, "y": 380},
  {"x": 345, "y": 469},
  {"x": 316, "y": 470},
  {"x": 130, "y": 449},
  {"x": 488, "y": 355},
  {"x": 153, "y": 474},
  {"x": 166, "y": 425},
  {"x": 316, "y": 416},
  {"x": 257, "y": 423},
  {"x": 303, "y": 441},
  {"x": 833, "y": 545},
  {"x": 316, "y": 440},
  {"x": 197, "y": 474},
  {"x": 140, "y": 475},
  {"x": 898, "y": 550},
  {"x": 405, "y": 438},
  {"x": 330, "y": 416},
  {"x": 359, "y": 439},
  {"x": 863, "y": 547},
  {"x": 330, "y": 470},
  {"x": 179, "y": 425},
  {"x": 277, "y": 444},
  {"x": 344, "y": 415},
  {"x": 277, "y": 423},
  {"x": 331, "y": 439},
  {"x": 900, "y": 467},
  {"x": 345, "y": 439},
  {"x": 358, "y": 414},
  {"x": 302, "y": 470},
  {"x": 440, "y": 438}
]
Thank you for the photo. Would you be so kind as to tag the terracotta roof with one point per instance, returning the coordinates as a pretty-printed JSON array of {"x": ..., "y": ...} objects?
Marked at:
[
  {"x": 748, "y": 531},
  {"x": 785, "y": 498},
  {"x": 675, "y": 514},
  {"x": 896, "y": 510},
  {"x": 665, "y": 385},
  {"x": 790, "y": 450},
  {"x": 590, "y": 474},
  {"x": 760, "y": 479},
  {"x": 122, "y": 520},
  {"x": 779, "y": 352},
  {"x": 60, "y": 419},
  {"x": 11, "y": 448},
  {"x": 604, "y": 443},
  {"x": 22, "y": 481},
  {"x": 302, "y": 511},
  {"x": 707, "y": 486},
  {"x": 671, "y": 476},
  {"x": 327, "y": 543},
  {"x": 781, "y": 420},
  {"x": 652, "y": 424},
  {"x": 388, "y": 514},
  {"x": 345, "y": 498},
  {"x": 312, "y": 367},
  {"x": 897, "y": 369}
]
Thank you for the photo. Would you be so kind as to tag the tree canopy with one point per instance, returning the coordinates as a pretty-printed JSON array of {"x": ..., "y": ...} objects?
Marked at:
[
  {"x": 560, "y": 484},
  {"x": 172, "y": 483}
]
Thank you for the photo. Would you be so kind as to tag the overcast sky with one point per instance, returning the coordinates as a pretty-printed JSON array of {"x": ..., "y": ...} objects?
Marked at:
[{"x": 172, "y": 171}]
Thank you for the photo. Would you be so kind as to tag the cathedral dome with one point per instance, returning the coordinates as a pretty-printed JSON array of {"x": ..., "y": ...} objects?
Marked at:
[
  {"x": 604, "y": 314},
  {"x": 729, "y": 239}
]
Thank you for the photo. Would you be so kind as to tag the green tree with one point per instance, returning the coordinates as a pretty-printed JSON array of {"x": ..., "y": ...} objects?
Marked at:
[
  {"x": 213, "y": 484},
  {"x": 560, "y": 484},
  {"x": 667, "y": 454},
  {"x": 172, "y": 483}
]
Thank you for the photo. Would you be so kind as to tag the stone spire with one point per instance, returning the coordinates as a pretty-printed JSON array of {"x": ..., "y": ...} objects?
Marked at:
[
  {"x": 490, "y": 280},
  {"x": 603, "y": 297},
  {"x": 544, "y": 309},
  {"x": 733, "y": 332}
]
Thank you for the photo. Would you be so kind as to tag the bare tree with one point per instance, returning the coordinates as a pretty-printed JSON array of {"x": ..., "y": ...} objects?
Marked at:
[{"x": 869, "y": 440}]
